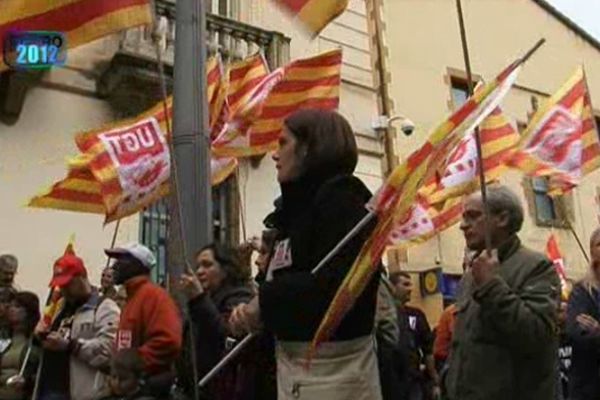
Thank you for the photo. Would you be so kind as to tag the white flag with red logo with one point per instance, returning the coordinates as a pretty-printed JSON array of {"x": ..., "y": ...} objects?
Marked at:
[
  {"x": 561, "y": 141},
  {"x": 460, "y": 174},
  {"x": 131, "y": 162}
]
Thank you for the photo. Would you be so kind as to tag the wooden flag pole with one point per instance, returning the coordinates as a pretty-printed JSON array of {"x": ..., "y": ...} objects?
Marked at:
[
  {"x": 482, "y": 184},
  {"x": 114, "y": 240}
]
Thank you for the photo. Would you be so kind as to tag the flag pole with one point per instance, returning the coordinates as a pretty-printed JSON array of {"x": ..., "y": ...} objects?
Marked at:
[
  {"x": 467, "y": 59},
  {"x": 114, "y": 240},
  {"x": 248, "y": 338},
  {"x": 482, "y": 184}
]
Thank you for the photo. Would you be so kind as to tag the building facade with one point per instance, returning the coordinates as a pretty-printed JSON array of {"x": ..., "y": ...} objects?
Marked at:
[
  {"x": 116, "y": 77},
  {"x": 427, "y": 80}
]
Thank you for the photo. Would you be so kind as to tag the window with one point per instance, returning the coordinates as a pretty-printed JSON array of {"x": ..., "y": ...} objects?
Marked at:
[
  {"x": 220, "y": 7},
  {"x": 459, "y": 91},
  {"x": 545, "y": 209},
  {"x": 154, "y": 224}
]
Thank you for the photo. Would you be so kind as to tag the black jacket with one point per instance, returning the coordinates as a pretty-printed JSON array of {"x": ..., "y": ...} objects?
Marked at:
[
  {"x": 315, "y": 215},
  {"x": 209, "y": 315},
  {"x": 584, "y": 374}
]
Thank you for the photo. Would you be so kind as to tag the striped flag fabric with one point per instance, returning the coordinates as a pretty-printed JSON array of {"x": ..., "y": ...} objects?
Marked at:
[
  {"x": 561, "y": 141},
  {"x": 254, "y": 128},
  {"x": 216, "y": 95},
  {"x": 314, "y": 14},
  {"x": 79, "y": 191},
  {"x": 399, "y": 193},
  {"x": 55, "y": 300},
  {"x": 424, "y": 220},
  {"x": 82, "y": 21},
  {"x": 461, "y": 173},
  {"x": 243, "y": 77}
]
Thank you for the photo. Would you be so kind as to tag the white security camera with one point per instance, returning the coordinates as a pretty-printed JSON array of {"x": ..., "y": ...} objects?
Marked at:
[{"x": 407, "y": 126}]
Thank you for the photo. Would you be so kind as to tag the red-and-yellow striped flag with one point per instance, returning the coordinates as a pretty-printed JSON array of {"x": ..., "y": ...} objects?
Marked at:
[
  {"x": 82, "y": 21},
  {"x": 399, "y": 193},
  {"x": 314, "y": 14},
  {"x": 55, "y": 300},
  {"x": 79, "y": 191},
  {"x": 561, "y": 141},
  {"x": 243, "y": 77},
  {"x": 216, "y": 95},
  {"x": 255, "y": 127},
  {"x": 461, "y": 173}
]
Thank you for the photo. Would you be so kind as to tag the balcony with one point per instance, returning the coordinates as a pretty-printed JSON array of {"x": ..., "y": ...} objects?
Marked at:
[{"x": 131, "y": 82}]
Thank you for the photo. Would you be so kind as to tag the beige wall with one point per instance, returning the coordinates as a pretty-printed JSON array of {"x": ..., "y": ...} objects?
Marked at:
[
  {"x": 424, "y": 41},
  {"x": 32, "y": 156}
]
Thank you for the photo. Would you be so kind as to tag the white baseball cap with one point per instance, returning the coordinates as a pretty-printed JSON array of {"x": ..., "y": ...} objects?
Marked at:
[{"x": 135, "y": 250}]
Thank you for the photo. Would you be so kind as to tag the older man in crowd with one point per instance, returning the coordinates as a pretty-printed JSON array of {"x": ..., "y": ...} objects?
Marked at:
[{"x": 505, "y": 342}]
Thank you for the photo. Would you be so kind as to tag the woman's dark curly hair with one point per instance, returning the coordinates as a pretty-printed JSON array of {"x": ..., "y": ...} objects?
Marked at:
[
  {"x": 30, "y": 302},
  {"x": 228, "y": 258}
]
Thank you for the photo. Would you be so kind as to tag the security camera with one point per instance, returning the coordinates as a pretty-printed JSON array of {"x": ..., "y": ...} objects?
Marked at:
[{"x": 407, "y": 127}]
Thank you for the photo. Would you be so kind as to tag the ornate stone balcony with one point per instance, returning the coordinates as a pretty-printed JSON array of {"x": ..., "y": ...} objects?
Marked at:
[{"x": 131, "y": 82}]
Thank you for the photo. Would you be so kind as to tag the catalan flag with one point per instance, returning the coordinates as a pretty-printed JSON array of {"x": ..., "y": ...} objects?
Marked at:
[
  {"x": 82, "y": 21},
  {"x": 254, "y": 128},
  {"x": 55, "y": 301},
  {"x": 314, "y": 14},
  {"x": 461, "y": 173},
  {"x": 243, "y": 77},
  {"x": 399, "y": 193},
  {"x": 79, "y": 191},
  {"x": 561, "y": 141},
  {"x": 216, "y": 95}
]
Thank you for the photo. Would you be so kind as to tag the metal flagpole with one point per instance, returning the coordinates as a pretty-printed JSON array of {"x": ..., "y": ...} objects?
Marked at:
[
  {"x": 191, "y": 144},
  {"x": 240, "y": 346}
]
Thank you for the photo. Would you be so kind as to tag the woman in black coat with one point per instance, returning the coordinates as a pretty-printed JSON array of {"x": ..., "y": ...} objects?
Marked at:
[
  {"x": 221, "y": 283},
  {"x": 321, "y": 201},
  {"x": 583, "y": 330}
]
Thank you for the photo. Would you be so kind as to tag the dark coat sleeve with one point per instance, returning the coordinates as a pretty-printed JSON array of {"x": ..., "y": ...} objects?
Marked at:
[
  {"x": 525, "y": 319},
  {"x": 297, "y": 297},
  {"x": 581, "y": 302},
  {"x": 210, "y": 326}
]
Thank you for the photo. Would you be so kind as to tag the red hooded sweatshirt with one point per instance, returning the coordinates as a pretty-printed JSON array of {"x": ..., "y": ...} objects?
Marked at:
[{"x": 151, "y": 323}]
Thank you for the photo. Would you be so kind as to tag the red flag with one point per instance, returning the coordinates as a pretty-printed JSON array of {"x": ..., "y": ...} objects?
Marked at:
[{"x": 555, "y": 255}]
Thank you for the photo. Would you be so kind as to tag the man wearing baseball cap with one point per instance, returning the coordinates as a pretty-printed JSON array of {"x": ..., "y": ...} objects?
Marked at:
[
  {"x": 150, "y": 320},
  {"x": 78, "y": 343}
]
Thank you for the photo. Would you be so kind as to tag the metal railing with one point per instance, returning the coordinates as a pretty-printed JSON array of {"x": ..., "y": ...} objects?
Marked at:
[{"x": 234, "y": 40}]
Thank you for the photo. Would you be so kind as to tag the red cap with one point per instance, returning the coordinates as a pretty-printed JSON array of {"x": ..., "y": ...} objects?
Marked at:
[{"x": 66, "y": 268}]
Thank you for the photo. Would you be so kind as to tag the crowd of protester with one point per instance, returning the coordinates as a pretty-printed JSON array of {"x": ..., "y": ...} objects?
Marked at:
[{"x": 509, "y": 335}]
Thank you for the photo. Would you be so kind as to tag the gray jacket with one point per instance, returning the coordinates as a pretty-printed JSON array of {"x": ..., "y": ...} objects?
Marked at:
[
  {"x": 505, "y": 342},
  {"x": 94, "y": 327}
]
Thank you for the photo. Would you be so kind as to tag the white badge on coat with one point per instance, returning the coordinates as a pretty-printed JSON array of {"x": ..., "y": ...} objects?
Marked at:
[
  {"x": 412, "y": 322},
  {"x": 282, "y": 258},
  {"x": 124, "y": 340}
]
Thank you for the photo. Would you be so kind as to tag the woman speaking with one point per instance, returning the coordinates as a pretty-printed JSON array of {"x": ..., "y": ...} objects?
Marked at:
[{"x": 321, "y": 201}]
